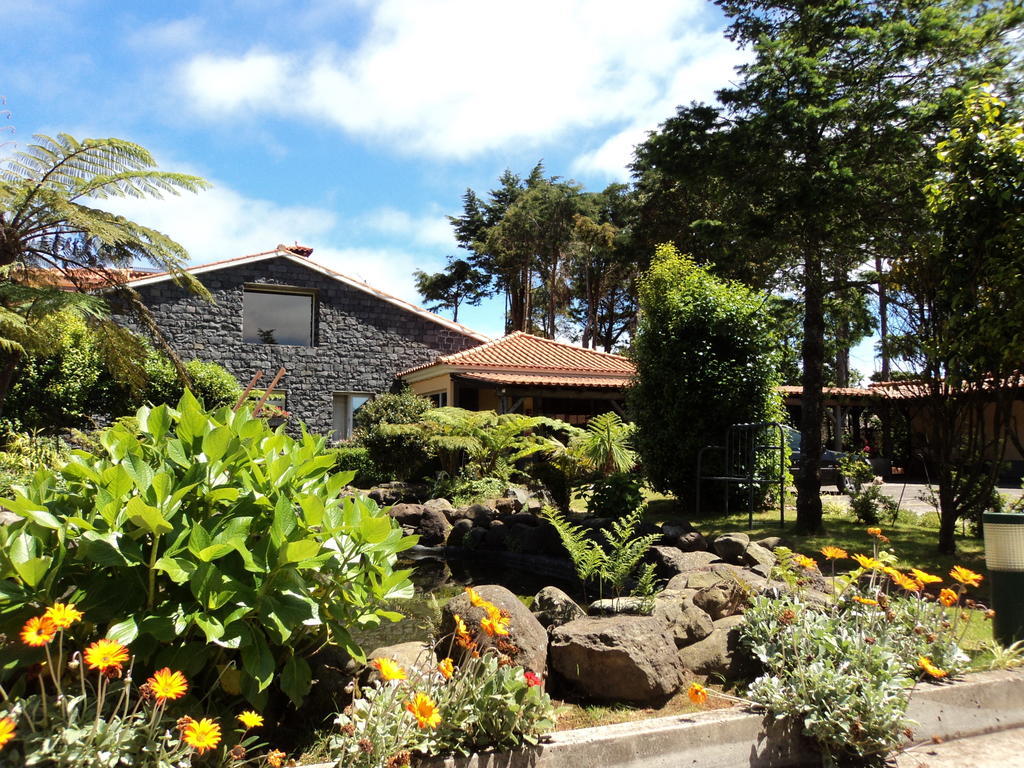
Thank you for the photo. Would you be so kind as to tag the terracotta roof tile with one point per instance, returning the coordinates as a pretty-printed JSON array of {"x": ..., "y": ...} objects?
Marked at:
[
  {"x": 788, "y": 389},
  {"x": 548, "y": 379}
]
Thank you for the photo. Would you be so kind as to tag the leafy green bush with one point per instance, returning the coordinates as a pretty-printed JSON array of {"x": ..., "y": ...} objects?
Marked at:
[
  {"x": 356, "y": 458},
  {"x": 212, "y": 384},
  {"x": 207, "y": 541},
  {"x": 615, "y": 495},
  {"x": 705, "y": 360},
  {"x": 397, "y": 456}
]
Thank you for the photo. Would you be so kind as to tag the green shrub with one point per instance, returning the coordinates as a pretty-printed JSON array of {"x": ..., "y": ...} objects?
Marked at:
[
  {"x": 396, "y": 456},
  {"x": 705, "y": 360},
  {"x": 208, "y": 542},
  {"x": 616, "y": 495},
  {"x": 356, "y": 458},
  {"x": 212, "y": 384}
]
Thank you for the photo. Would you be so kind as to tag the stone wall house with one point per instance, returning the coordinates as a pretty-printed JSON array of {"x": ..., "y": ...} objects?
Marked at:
[{"x": 340, "y": 340}]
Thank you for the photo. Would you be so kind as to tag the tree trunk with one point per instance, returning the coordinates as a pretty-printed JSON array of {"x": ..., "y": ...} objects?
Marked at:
[
  {"x": 949, "y": 513},
  {"x": 808, "y": 485},
  {"x": 8, "y": 365}
]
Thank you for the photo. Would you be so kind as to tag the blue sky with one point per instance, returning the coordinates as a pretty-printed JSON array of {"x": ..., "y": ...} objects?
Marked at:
[{"x": 354, "y": 126}]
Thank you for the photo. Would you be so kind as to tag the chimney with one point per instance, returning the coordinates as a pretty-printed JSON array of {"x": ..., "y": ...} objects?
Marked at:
[{"x": 299, "y": 250}]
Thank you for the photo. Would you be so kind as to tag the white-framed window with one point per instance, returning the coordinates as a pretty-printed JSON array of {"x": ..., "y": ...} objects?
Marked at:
[
  {"x": 345, "y": 406},
  {"x": 439, "y": 399},
  {"x": 272, "y": 315}
]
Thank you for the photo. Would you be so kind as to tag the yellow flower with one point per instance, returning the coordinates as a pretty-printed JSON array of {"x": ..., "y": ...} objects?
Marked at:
[
  {"x": 8, "y": 731},
  {"x": 275, "y": 758},
  {"x": 460, "y": 625},
  {"x": 250, "y": 719},
  {"x": 167, "y": 684},
  {"x": 424, "y": 709},
  {"x": 930, "y": 669},
  {"x": 475, "y": 599},
  {"x": 389, "y": 669},
  {"x": 874, "y": 531},
  {"x": 908, "y": 583},
  {"x": 892, "y": 573},
  {"x": 925, "y": 578},
  {"x": 446, "y": 668},
  {"x": 834, "y": 553},
  {"x": 493, "y": 626},
  {"x": 948, "y": 597},
  {"x": 38, "y": 631},
  {"x": 201, "y": 735},
  {"x": 805, "y": 562},
  {"x": 864, "y": 600},
  {"x": 106, "y": 654},
  {"x": 698, "y": 693},
  {"x": 867, "y": 562},
  {"x": 63, "y": 615},
  {"x": 966, "y": 576}
]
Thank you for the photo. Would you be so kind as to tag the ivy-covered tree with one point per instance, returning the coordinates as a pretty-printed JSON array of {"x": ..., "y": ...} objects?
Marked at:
[{"x": 705, "y": 359}]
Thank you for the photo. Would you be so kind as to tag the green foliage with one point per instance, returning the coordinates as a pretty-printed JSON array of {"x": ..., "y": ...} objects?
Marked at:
[
  {"x": 356, "y": 458},
  {"x": 204, "y": 538},
  {"x": 605, "y": 444},
  {"x": 400, "y": 456},
  {"x": 212, "y": 384},
  {"x": 704, "y": 359},
  {"x": 612, "y": 562},
  {"x": 615, "y": 495}
]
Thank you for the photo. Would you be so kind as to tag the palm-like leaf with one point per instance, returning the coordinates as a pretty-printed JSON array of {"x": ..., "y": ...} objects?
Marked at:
[{"x": 605, "y": 444}]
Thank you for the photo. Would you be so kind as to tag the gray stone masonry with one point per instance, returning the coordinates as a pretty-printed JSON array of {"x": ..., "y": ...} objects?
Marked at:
[{"x": 361, "y": 341}]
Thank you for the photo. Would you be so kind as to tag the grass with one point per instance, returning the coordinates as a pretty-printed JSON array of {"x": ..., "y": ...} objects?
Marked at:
[{"x": 574, "y": 715}]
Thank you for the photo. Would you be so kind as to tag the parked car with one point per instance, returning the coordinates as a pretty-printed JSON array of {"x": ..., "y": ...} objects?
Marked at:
[{"x": 829, "y": 460}]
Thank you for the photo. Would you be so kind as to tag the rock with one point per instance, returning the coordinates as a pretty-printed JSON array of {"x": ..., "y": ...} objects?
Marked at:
[
  {"x": 761, "y": 560},
  {"x": 481, "y": 514},
  {"x": 669, "y": 561},
  {"x": 771, "y": 542},
  {"x": 433, "y": 528},
  {"x": 496, "y": 537},
  {"x": 726, "y": 598},
  {"x": 685, "y": 620},
  {"x": 524, "y": 518},
  {"x": 413, "y": 655},
  {"x": 527, "y": 644},
  {"x": 672, "y": 532},
  {"x": 440, "y": 505},
  {"x": 460, "y": 530},
  {"x": 537, "y": 500},
  {"x": 730, "y": 546},
  {"x": 693, "y": 541},
  {"x": 504, "y": 507},
  {"x": 430, "y": 574},
  {"x": 475, "y": 538},
  {"x": 552, "y": 608},
  {"x": 518, "y": 495},
  {"x": 717, "y": 653},
  {"x": 616, "y": 606},
  {"x": 623, "y": 658},
  {"x": 407, "y": 514}
]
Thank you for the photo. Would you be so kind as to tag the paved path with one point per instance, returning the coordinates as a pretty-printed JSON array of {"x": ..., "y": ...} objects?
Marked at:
[
  {"x": 1004, "y": 749},
  {"x": 911, "y": 496}
]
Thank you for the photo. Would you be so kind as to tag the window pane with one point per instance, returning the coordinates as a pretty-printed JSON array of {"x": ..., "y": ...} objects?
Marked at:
[{"x": 277, "y": 318}]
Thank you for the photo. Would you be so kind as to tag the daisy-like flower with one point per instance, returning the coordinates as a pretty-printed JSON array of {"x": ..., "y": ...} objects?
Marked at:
[
  {"x": 966, "y": 576},
  {"x": 930, "y": 669},
  {"x": 424, "y": 709},
  {"x": 474, "y": 598},
  {"x": 63, "y": 615},
  {"x": 201, "y": 735},
  {"x": 532, "y": 679},
  {"x": 868, "y": 563},
  {"x": 698, "y": 693},
  {"x": 106, "y": 654},
  {"x": 864, "y": 600},
  {"x": 834, "y": 553},
  {"x": 876, "y": 532},
  {"x": 805, "y": 562},
  {"x": 8, "y": 730},
  {"x": 948, "y": 597},
  {"x": 493, "y": 626},
  {"x": 38, "y": 631},
  {"x": 908, "y": 583},
  {"x": 925, "y": 578},
  {"x": 389, "y": 669},
  {"x": 167, "y": 685},
  {"x": 447, "y": 668},
  {"x": 275, "y": 758},
  {"x": 250, "y": 719}
]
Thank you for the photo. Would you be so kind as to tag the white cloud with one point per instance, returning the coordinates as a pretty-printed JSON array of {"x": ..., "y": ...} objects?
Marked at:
[
  {"x": 386, "y": 269},
  {"x": 429, "y": 231},
  {"x": 177, "y": 34},
  {"x": 453, "y": 78}
]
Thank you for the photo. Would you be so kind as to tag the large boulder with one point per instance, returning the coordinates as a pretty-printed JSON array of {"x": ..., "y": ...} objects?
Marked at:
[
  {"x": 759, "y": 559},
  {"x": 481, "y": 514},
  {"x": 457, "y": 535},
  {"x": 617, "y": 606},
  {"x": 623, "y": 658},
  {"x": 440, "y": 505},
  {"x": 527, "y": 645},
  {"x": 407, "y": 514},
  {"x": 553, "y": 608},
  {"x": 671, "y": 561},
  {"x": 412, "y": 655},
  {"x": 721, "y": 599},
  {"x": 718, "y": 654},
  {"x": 693, "y": 541},
  {"x": 433, "y": 528},
  {"x": 685, "y": 620},
  {"x": 731, "y": 546}
]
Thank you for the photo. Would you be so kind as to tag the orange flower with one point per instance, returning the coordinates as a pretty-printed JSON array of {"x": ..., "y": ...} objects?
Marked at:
[
  {"x": 106, "y": 654},
  {"x": 475, "y": 599},
  {"x": 8, "y": 730},
  {"x": 389, "y": 669},
  {"x": 868, "y": 563},
  {"x": 275, "y": 758},
  {"x": 250, "y": 719},
  {"x": 201, "y": 735},
  {"x": 966, "y": 576},
  {"x": 834, "y": 553},
  {"x": 805, "y": 562},
  {"x": 948, "y": 597},
  {"x": 892, "y": 573},
  {"x": 874, "y": 532},
  {"x": 38, "y": 631},
  {"x": 930, "y": 669},
  {"x": 925, "y": 578},
  {"x": 167, "y": 684},
  {"x": 63, "y": 615},
  {"x": 446, "y": 668},
  {"x": 908, "y": 583},
  {"x": 460, "y": 625},
  {"x": 864, "y": 600},
  {"x": 493, "y": 626},
  {"x": 424, "y": 709},
  {"x": 698, "y": 693}
]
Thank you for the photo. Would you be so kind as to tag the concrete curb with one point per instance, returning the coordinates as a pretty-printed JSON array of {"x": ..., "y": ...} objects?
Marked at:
[{"x": 735, "y": 738}]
